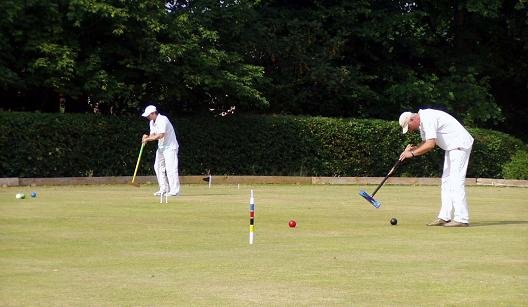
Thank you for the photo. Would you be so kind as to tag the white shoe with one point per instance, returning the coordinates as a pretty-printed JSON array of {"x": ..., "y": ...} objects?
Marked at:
[
  {"x": 173, "y": 194},
  {"x": 158, "y": 193}
]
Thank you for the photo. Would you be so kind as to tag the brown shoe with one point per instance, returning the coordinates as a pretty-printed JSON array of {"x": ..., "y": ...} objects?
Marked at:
[
  {"x": 456, "y": 224},
  {"x": 438, "y": 222}
]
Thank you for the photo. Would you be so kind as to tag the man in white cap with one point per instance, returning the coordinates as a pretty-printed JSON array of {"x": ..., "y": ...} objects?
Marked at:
[
  {"x": 166, "y": 164},
  {"x": 439, "y": 128}
]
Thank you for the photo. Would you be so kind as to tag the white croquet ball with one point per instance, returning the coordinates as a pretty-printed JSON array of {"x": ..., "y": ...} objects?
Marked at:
[{"x": 20, "y": 196}]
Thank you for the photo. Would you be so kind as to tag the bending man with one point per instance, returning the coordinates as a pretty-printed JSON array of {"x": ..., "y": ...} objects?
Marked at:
[{"x": 439, "y": 128}]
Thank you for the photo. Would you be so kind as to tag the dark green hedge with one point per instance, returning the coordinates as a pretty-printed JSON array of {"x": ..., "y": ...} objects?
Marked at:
[{"x": 61, "y": 145}]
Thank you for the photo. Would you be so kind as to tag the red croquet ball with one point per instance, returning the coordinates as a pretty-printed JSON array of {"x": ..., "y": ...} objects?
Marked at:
[{"x": 292, "y": 223}]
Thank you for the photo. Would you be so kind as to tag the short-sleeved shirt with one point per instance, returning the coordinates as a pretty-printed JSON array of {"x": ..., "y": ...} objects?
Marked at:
[
  {"x": 443, "y": 127},
  {"x": 163, "y": 125}
]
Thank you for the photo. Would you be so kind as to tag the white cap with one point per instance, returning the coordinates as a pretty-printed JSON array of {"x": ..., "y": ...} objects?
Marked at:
[
  {"x": 404, "y": 121},
  {"x": 148, "y": 110}
]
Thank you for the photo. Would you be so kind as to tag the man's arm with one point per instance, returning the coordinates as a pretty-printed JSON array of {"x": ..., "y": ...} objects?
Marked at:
[
  {"x": 419, "y": 150},
  {"x": 152, "y": 137}
]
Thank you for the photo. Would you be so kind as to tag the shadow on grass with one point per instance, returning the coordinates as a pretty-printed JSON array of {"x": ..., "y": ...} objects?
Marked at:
[
  {"x": 212, "y": 194},
  {"x": 494, "y": 223}
]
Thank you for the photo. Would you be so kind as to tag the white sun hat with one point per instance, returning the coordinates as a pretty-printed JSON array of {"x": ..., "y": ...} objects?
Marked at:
[
  {"x": 404, "y": 121},
  {"x": 148, "y": 110}
]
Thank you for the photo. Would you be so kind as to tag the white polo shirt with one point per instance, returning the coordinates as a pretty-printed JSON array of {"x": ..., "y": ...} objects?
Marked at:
[
  {"x": 163, "y": 125},
  {"x": 443, "y": 127}
]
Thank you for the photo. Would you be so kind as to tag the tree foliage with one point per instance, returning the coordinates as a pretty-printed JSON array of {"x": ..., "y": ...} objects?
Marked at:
[
  {"x": 115, "y": 55},
  {"x": 375, "y": 58},
  {"x": 333, "y": 58}
]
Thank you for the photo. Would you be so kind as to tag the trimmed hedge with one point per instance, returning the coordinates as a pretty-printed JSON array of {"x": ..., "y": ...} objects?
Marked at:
[
  {"x": 517, "y": 168},
  {"x": 63, "y": 145}
]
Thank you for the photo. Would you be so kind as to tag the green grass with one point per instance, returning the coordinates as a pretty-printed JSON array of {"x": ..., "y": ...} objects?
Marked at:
[{"x": 116, "y": 245}]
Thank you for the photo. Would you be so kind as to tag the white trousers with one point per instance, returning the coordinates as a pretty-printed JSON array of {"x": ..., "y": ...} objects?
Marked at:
[
  {"x": 166, "y": 168},
  {"x": 453, "y": 186}
]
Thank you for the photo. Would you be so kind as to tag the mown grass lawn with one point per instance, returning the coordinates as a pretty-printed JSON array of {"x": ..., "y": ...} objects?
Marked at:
[{"x": 116, "y": 245}]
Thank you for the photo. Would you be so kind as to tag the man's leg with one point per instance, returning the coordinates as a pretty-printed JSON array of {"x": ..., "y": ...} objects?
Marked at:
[
  {"x": 171, "y": 160},
  {"x": 459, "y": 164},
  {"x": 160, "y": 169},
  {"x": 446, "y": 195}
]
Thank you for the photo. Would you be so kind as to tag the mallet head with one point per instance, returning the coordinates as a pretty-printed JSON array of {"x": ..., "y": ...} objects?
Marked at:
[{"x": 370, "y": 199}]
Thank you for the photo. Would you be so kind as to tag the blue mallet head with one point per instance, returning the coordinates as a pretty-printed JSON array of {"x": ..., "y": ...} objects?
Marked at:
[{"x": 370, "y": 199}]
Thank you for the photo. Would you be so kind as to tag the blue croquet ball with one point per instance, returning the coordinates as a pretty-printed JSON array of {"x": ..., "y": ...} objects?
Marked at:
[
  {"x": 33, "y": 194},
  {"x": 393, "y": 221}
]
